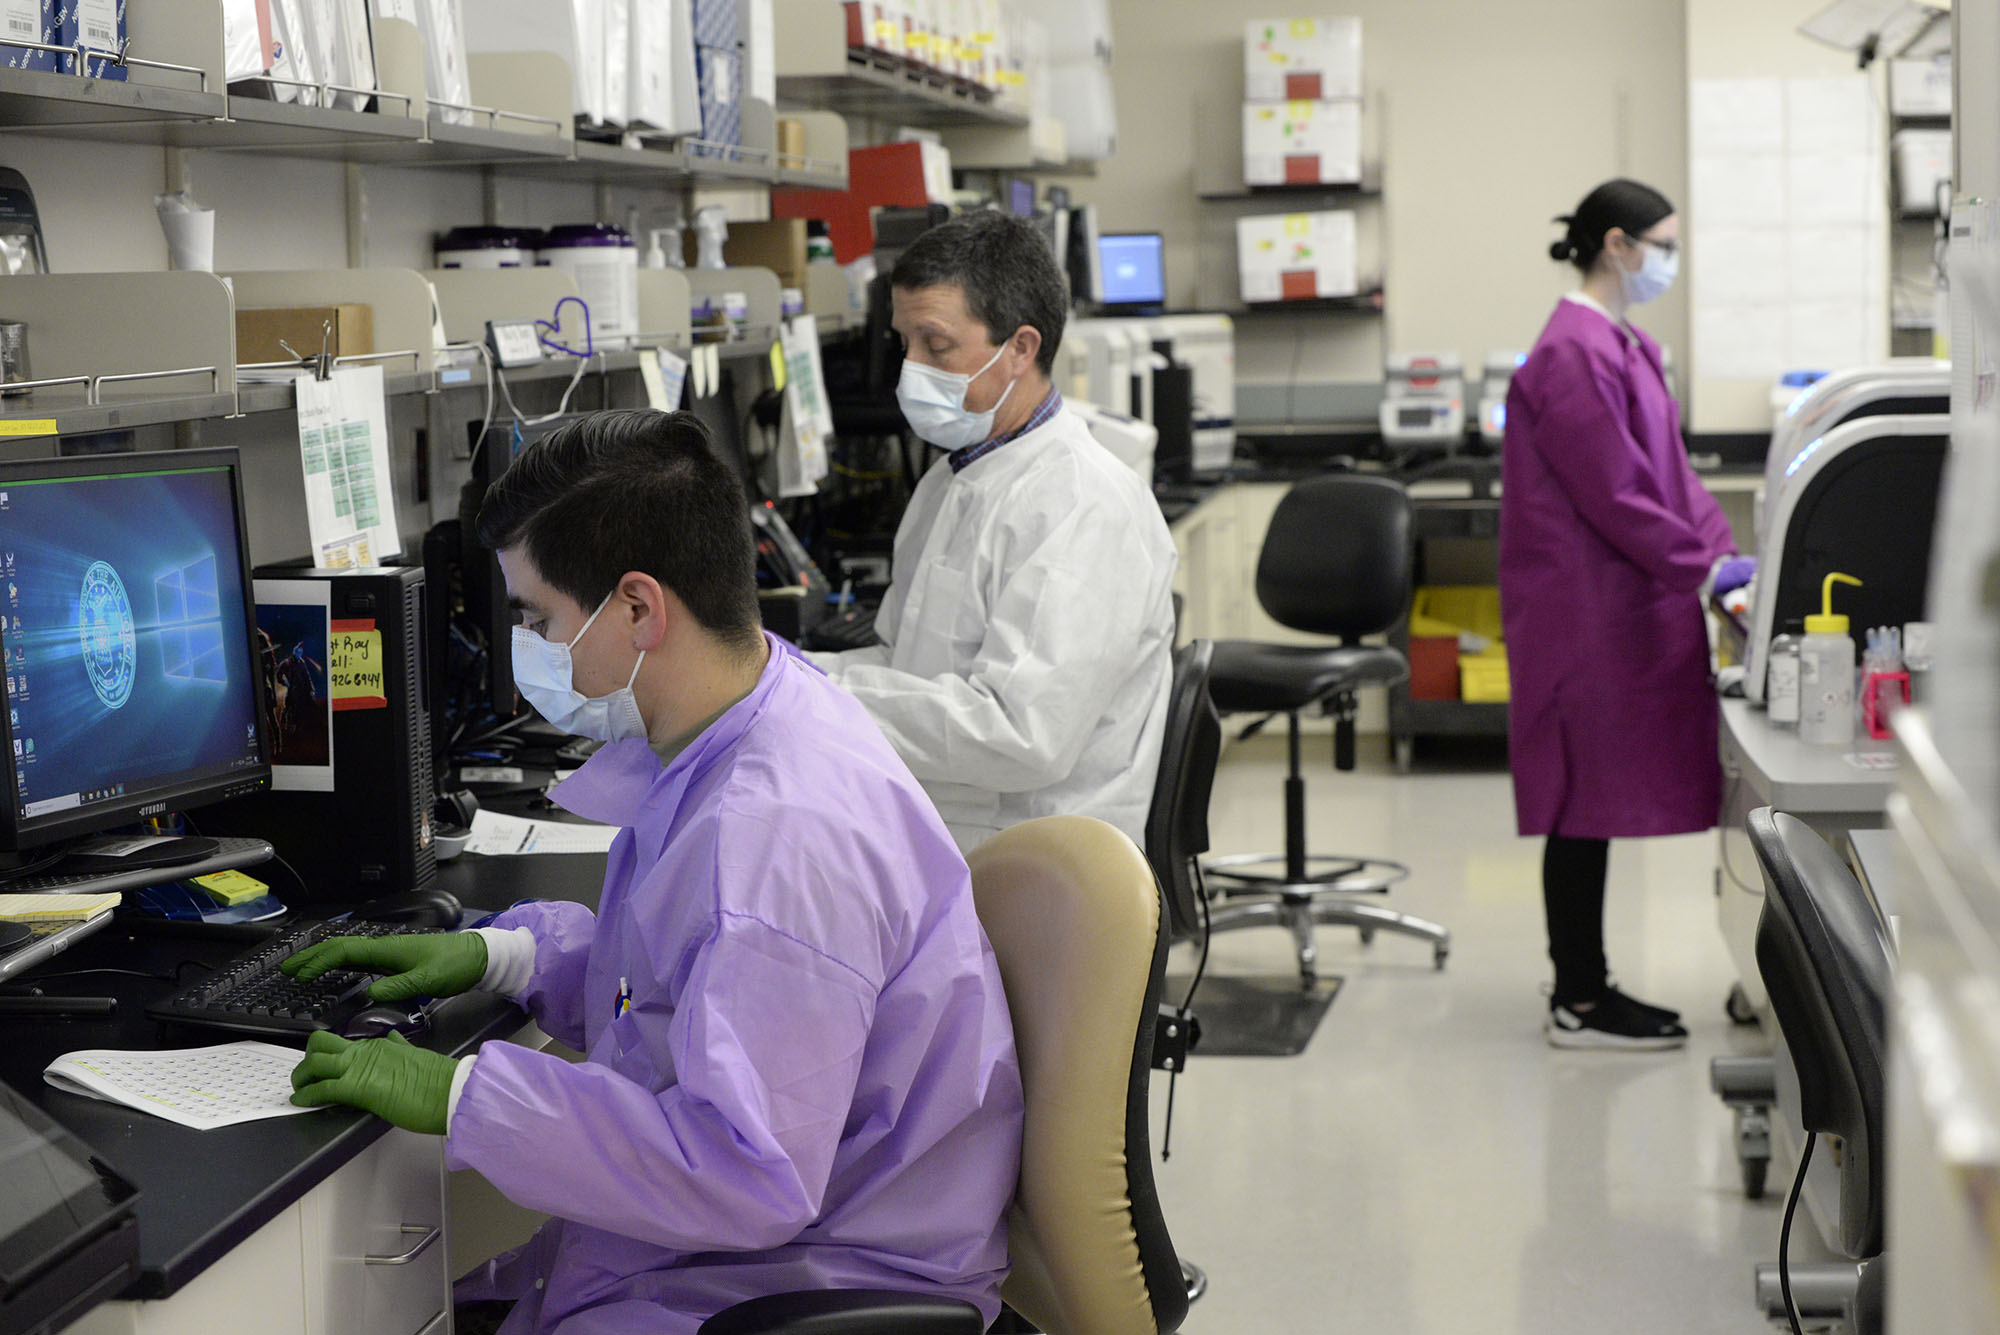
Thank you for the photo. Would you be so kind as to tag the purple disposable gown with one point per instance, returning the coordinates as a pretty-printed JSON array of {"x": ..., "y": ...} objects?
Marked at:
[
  {"x": 1606, "y": 536},
  {"x": 815, "y": 1084}
]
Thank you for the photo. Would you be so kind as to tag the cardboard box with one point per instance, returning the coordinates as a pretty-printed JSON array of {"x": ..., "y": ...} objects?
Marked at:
[
  {"x": 1301, "y": 143},
  {"x": 1296, "y": 256},
  {"x": 96, "y": 25},
  {"x": 778, "y": 245},
  {"x": 875, "y": 27},
  {"x": 1920, "y": 87},
  {"x": 27, "y": 21},
  {"x": 260, "y": 329},
  {"x": 1434, "y": 667},
  {"x": 1301, "y": 59},
  {"x": 719, "y": 73},
  {"x": 1923, "y": 160}
]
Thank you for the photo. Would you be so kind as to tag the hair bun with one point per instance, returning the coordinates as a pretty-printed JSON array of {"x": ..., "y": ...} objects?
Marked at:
[{"x": 1564, "y": 250}]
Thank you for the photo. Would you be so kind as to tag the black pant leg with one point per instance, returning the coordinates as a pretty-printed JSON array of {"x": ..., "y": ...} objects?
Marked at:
[{"x": 1573, "y": 898}]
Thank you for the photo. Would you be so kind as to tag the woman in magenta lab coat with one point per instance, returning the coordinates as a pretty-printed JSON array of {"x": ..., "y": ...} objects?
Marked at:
[{"x": 1607, "y": 539}]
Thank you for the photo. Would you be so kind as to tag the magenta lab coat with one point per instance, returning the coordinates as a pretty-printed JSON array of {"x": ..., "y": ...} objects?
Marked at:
[
  {"x": 814, "y": 1084},
  {"x": 1606, "y": 536}
]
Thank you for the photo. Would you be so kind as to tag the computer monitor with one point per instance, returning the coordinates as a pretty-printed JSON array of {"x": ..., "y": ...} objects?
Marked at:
[
  {"x": 1133, "y": 266},
  {"x": 1018, "y": 195},
  {"x": 1086, "y": 276},
  {"x": 132, "y": 676}
]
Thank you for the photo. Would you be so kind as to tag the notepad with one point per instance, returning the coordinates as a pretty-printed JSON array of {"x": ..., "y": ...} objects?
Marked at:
[
  {"x": 53, "y": 908},
  {"x": 203, "y": 1088}
]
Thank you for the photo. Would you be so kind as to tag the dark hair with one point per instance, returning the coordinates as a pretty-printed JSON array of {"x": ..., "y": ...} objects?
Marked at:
[
  {"x": 1629, "y": 206},
  {"x": 1006, "y": 269},
  {"x": 641, "y": 491}
]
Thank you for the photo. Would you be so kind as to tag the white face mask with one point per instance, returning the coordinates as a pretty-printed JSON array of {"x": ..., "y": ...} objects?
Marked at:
[
  {"x": 933, "y": 403},
  {"x": 1655, "y": 274},
  {"x": 543, "y": 675}
]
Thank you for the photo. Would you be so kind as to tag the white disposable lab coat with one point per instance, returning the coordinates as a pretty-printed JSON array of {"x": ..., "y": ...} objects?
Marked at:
[{"x": 1027, "y": 637}]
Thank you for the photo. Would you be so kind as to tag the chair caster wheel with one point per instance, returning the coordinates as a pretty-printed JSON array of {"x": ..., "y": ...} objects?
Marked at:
[
  {"x": 1438, "y": 958},
  {"x": 1367, "y": 936},
  {"x": 1737, "y": 1006}
]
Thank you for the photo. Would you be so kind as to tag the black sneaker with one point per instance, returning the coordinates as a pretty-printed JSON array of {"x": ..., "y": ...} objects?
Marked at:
[
  {"x": 1614, "y": 1022},
  {"x": 1646, "y": 1008}
]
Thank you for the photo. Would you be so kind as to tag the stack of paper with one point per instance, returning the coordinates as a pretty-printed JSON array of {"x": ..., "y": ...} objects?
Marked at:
[{"x": 54, "y": 907}]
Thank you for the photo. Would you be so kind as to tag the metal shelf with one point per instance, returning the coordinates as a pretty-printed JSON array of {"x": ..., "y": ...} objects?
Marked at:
[
  {"x": 1362, "y": 189},
  {"x": 1459, "y": 718},
  {"x": 258, "y": 124},
  {"x": 1365, "y": 303},
  {"x": 877, "y": 88},
  {"x": 39, "y": 102},
  {"x": 73, "y": 416}
]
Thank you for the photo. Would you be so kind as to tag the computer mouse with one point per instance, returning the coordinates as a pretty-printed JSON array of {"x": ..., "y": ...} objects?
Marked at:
[
  {"x": 381, "y": 1021},
  {"x": 430, "y": 907}
]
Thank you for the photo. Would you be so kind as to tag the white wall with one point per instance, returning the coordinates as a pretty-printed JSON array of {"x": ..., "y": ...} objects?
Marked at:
[
  {"x": 1732, "y": 39},
  {"x": 1490, "y": 119}
]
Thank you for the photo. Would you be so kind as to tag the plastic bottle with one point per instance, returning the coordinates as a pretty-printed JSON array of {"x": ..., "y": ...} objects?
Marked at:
[
  {"x": 1826, "y": 673},
  {"x": 1781, "y": 685}
]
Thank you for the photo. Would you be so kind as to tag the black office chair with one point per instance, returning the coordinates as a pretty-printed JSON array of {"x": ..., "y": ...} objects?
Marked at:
[
  {"x": 1177, "y": 824},
  {"x": 1080, "y": 933},
  {"x": 1176, "y": 837},
  {"x": 1827, "y": 963},
  {"x": 1336, "y": 561}
]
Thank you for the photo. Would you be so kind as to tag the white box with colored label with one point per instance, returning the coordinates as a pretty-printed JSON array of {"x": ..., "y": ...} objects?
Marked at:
[{"x": 1297, "y": 256}]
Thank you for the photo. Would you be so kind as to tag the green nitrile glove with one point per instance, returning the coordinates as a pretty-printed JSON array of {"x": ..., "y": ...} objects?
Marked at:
[
  {"x": 399, "y": 1082},
  {"x": 430, "y": 964}
]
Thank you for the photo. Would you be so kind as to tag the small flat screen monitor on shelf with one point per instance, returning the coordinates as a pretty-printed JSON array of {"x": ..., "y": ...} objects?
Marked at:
[
  {"x": 1134, "y": 270},
  {"x": 133, "y": 681}
]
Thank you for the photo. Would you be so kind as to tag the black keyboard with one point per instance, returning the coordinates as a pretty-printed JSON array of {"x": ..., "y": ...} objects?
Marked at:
[
  {"x": 849, "y": 628},
  {"x": 250, "y": 995}
]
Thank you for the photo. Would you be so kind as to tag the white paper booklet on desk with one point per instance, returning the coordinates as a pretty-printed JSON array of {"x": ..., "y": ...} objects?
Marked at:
[
  {"x": 203, "y": 1088},
  {"x": 498, "y": 835}
]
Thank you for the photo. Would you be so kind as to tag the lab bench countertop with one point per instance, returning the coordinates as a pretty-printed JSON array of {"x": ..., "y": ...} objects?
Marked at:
[
  {"x": 1794, "y": 776},
  {"x": 203, "y": 1192}
]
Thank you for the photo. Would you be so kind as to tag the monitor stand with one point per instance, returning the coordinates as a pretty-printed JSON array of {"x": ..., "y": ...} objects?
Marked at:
[{"x": 169, "y": 852}]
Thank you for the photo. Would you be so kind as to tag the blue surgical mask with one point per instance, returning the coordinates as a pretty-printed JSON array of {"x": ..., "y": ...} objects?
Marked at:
[
  {"x": 933, "y": 403},
  {"x": 1655, "y": 274},
  {"x": 544, "y": 675}
]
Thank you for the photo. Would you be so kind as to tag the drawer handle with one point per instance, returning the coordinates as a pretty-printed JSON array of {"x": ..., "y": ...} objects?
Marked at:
[{"x": 430, "y": 1235}]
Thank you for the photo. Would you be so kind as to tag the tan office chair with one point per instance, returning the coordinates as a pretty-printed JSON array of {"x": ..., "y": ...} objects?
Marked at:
[{"x": 1074, "y": 916}]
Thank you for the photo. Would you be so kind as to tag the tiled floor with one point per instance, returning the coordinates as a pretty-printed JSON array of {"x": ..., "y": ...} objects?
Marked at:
[{"x": 1429, "y": 1164}]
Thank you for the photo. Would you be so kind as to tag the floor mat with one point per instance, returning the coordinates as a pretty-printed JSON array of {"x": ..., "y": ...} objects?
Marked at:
[{"x": 1255, "y": 1017}]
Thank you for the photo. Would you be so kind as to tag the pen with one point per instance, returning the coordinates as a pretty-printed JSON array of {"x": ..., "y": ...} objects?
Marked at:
[{"x": 57, "y": 1007}]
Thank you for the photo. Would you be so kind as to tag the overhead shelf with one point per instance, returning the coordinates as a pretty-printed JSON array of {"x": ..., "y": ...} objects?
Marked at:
[
  {"x": 1362, "y": 189},
  {"x": 1366, "y": 303}
]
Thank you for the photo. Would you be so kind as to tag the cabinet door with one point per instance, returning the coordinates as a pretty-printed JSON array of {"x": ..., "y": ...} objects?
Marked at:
[{"x": 374, "y": 1245}]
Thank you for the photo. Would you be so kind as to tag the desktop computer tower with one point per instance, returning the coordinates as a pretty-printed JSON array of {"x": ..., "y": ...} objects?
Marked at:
[{"x": 353, "y": 817}]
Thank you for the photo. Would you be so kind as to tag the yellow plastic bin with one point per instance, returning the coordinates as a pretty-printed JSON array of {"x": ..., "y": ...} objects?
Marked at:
[{"x": 1482, "y": 678}]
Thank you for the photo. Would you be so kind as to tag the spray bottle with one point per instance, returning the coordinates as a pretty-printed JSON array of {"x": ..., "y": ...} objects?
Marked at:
[{"x": 1826, "y": 673}]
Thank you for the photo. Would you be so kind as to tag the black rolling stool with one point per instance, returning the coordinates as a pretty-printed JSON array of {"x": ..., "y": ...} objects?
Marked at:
[{"x": 1337, "y": 562}]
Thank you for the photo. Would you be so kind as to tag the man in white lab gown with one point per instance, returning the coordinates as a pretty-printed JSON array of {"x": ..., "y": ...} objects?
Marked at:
[{"x": 1027, "y": 635}]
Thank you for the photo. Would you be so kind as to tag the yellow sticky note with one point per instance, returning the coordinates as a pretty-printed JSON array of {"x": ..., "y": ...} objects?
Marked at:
[
  {"x": 232, "y": 887},
  {"x": 29, "y": 426},
  {"x": 778, "y": 367},
  {"x": 354, "y": 666}
]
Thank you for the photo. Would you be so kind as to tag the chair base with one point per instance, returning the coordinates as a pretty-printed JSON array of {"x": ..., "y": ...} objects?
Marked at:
[
  {"x": 1342, "y": 873},
  {"x": 1824, "y": 1291},
  {"x": 1300, "y": 906}
]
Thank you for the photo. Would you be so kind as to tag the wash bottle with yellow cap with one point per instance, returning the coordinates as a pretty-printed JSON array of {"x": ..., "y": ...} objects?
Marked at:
[{"x": 1826, "y": 673}]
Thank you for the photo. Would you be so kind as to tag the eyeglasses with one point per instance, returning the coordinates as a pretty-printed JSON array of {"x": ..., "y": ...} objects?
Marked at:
[{"x": 1667, "y": 248}]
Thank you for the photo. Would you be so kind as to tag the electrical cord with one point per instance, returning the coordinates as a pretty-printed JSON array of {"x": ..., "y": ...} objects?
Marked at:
[
  {"x": 1184, "y": 1012},
  {"x": 1785, "y": 1234}
]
